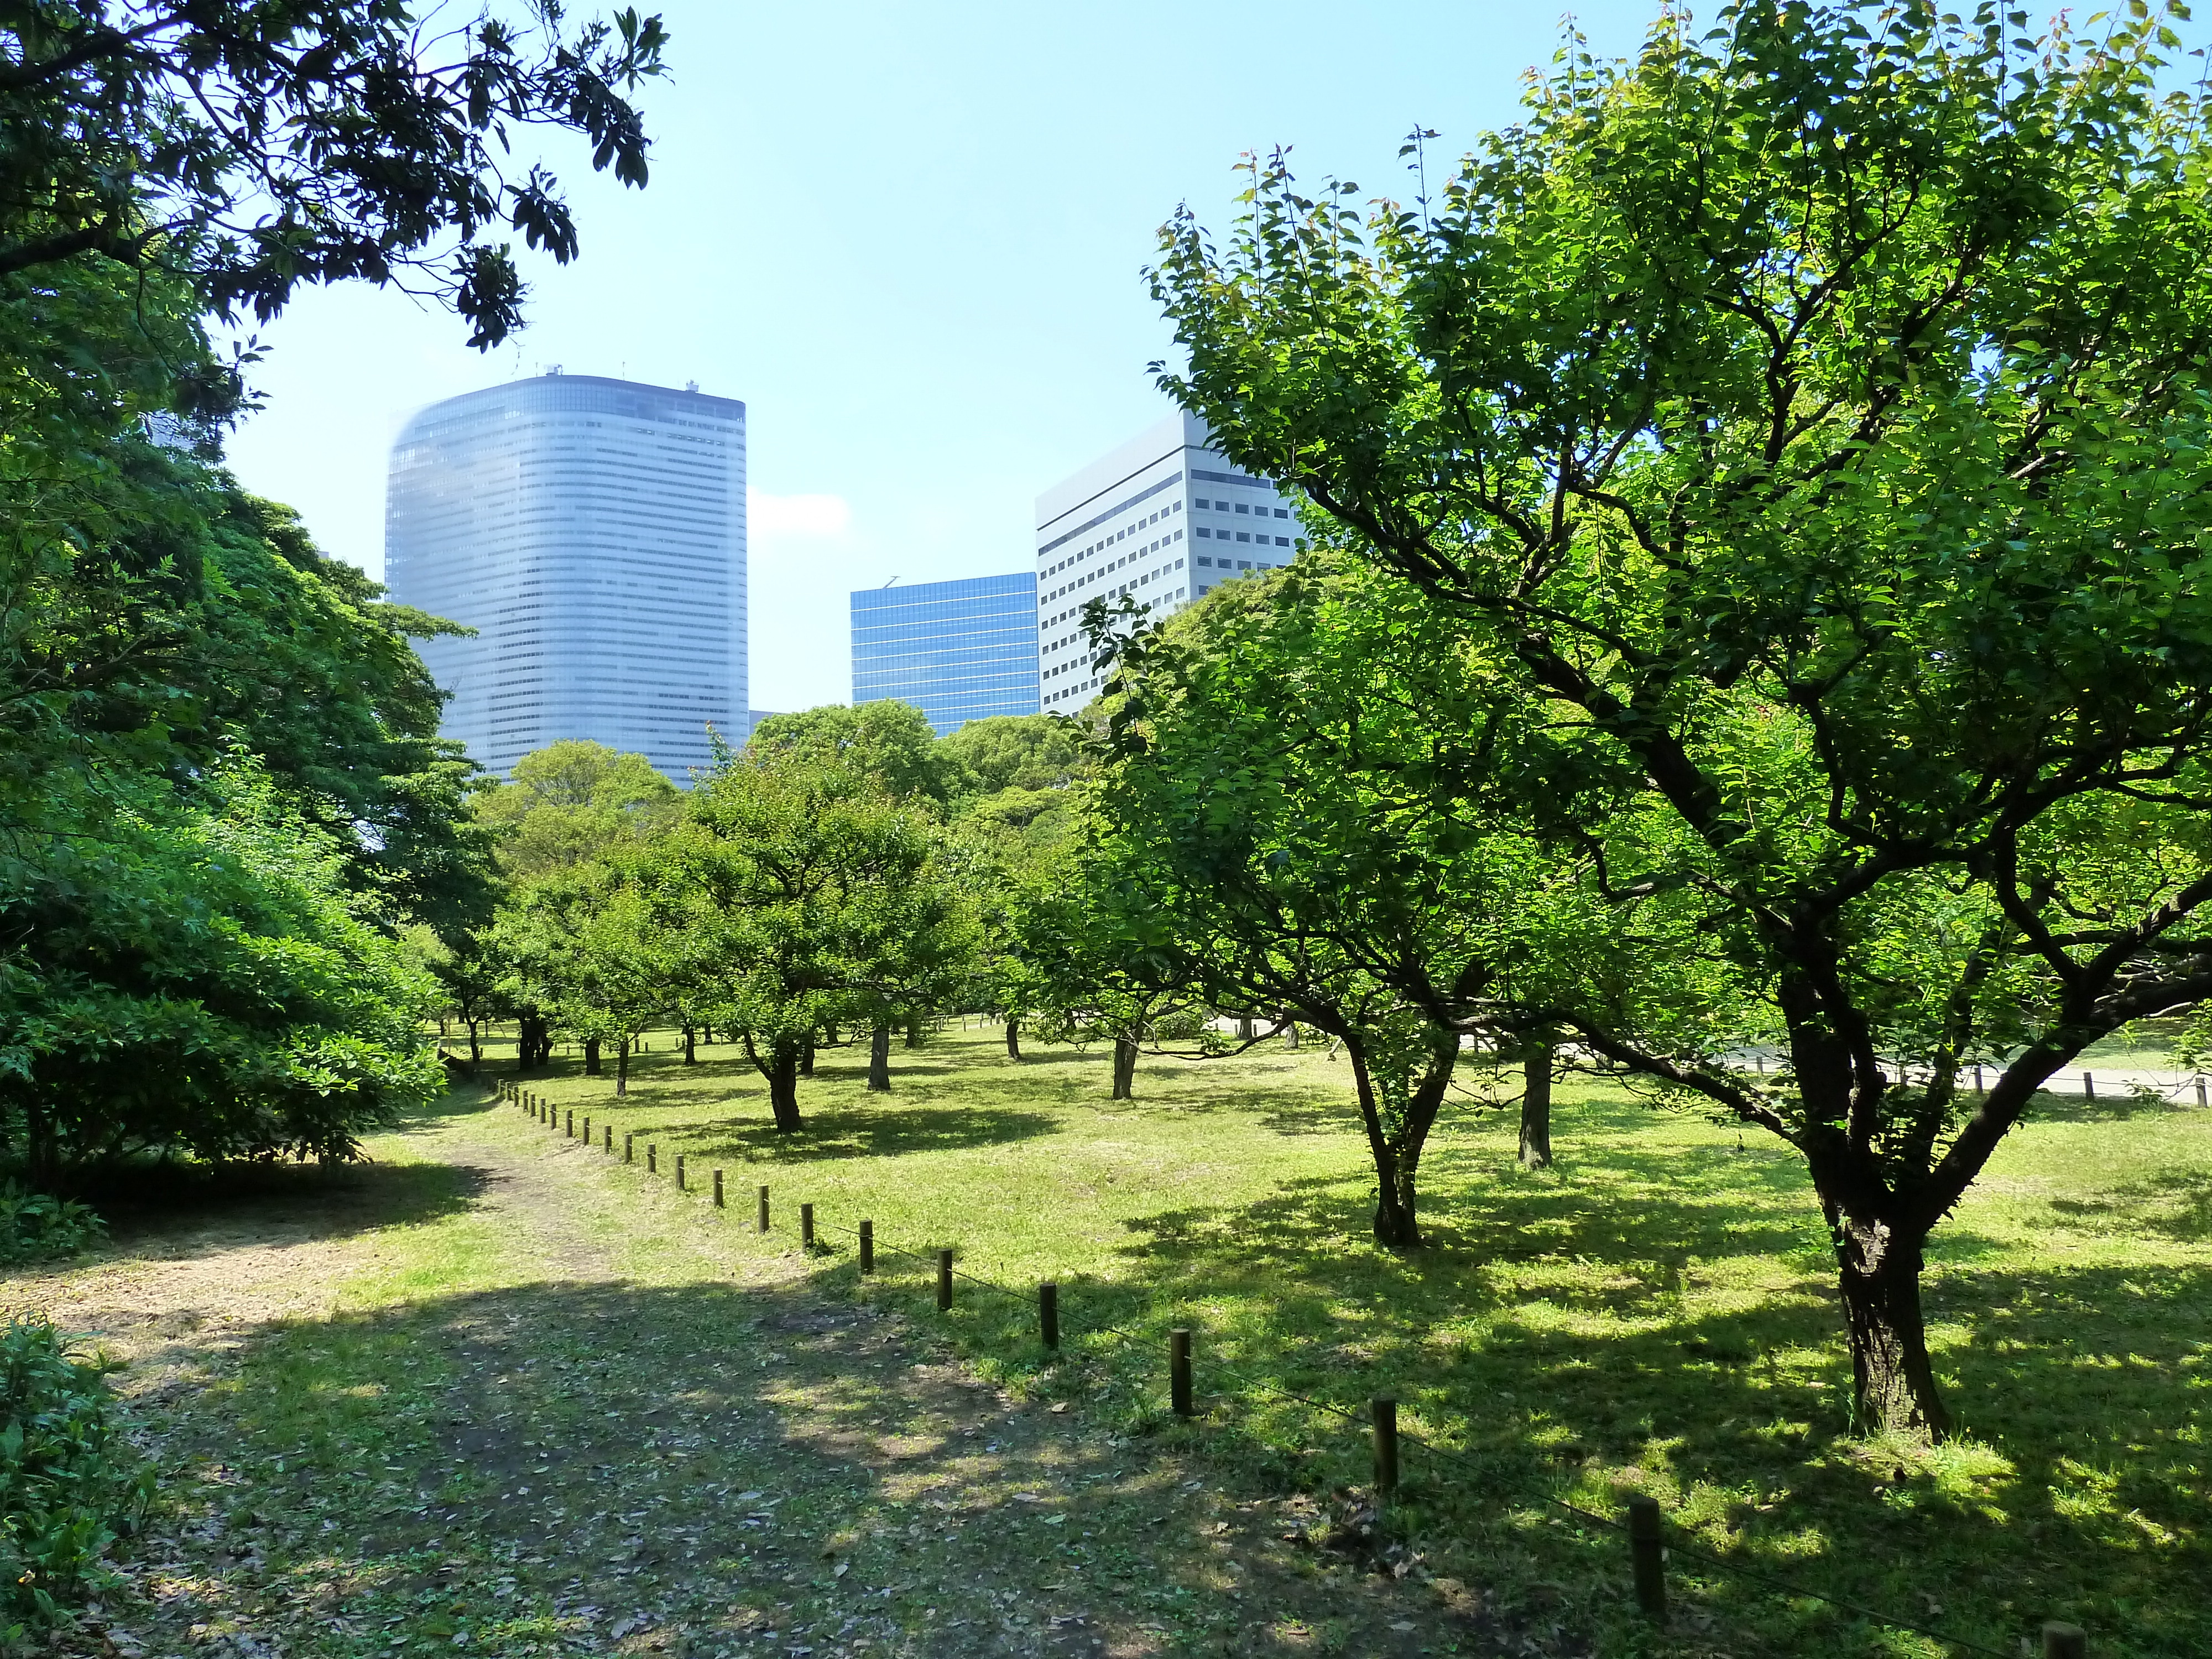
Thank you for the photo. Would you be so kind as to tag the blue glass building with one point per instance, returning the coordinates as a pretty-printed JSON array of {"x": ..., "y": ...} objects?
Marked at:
[
  {"x": 592, "y": 532},
  {"x": 958, "y": 651}
]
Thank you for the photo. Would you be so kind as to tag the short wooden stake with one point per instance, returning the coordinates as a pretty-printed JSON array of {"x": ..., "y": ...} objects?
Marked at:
[
  {"x": 868, "y": 1247},
  {"x": 718, "y": 1189},
  {"x": 807, "y": 1226},
  {"x": 628, "y": 1155},
  {"x": 679, "y": 1172},
  {"x": 572, "y": 1125},
  {"x": 1048, "y": 1313},
  {"x": 2065, "y": 1642},
  {"x": 610, "y": 1139},
  {"x": 2088, "y": 1086},
  {"x": 1179, "y": 1370},
  {"x": 944, "y": 1281},
  {"x": 2200, "y": 1091},
  {"x": 1385, "y": 1409},
  {"x": 762, "y": 1218},
  {"x": 587, "y": 1132},
  {"x": 652, "y": 1158},
  {"x": 1647, "y": 1555}
]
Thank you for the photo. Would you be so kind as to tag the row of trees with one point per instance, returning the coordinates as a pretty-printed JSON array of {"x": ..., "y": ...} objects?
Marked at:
[{"x": 223, "y": 801}]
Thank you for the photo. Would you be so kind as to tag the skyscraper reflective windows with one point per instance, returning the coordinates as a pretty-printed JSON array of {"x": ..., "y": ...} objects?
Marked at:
[
  {"x": 592, "y": 532},
  {"x": 958, "y": 651}
]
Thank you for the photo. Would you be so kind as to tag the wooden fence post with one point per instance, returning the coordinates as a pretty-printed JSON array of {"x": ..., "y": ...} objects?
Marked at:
[
  {"x": 718, "y": 1189},
  {"x": 1647, "y": 1555},
  {"x": 868, "y": 1247},
  {"x": 571, "y": 1130},
  {"x": 652, "y": 1158},
  {"x": 679, "y": 1172},
  {"x": 628, "y": 1155},
  {"x": 762, "y": 1217},
  {"x": 610, "y": 1139},
  {"x": 944, "y": 1281},
  {"x": 807, "y": 1226},
  {"x": 2065, "y": 1642},
  {"x": 2088, "y": 1086},
  {"x": 1048, "y": 1313},
  {"x": 588, "y": 1131},
  {"x": 1179, "y": 1370},
  {"x": 1385, "y": 1409},
  {"x": 2200, "y": 1091}
]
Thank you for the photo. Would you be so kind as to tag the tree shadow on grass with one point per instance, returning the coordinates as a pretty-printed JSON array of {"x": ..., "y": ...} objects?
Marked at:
[
  {"x": 838, "y": 1131},
  {"x": 183, "y": 1211},
  {"x": 533, "y": 1468},
  {"x": 1673, "y": 1327}
]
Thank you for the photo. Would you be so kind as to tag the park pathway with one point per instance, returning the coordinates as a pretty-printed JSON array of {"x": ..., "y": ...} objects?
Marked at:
[{"x": 497, "y": 1395}]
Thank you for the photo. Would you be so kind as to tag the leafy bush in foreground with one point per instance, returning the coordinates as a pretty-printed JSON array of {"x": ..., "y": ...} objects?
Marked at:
[{"x": 70, "y": 1483}]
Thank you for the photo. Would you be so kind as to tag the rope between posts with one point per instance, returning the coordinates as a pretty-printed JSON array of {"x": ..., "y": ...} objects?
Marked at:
[{"x": 1461, "y": 1460}]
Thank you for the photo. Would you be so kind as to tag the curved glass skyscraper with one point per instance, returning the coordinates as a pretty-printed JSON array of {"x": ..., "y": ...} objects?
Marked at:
[{"x": 592, "y": 532}]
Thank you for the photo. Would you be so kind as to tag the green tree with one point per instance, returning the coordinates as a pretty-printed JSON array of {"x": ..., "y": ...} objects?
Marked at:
[
  {"x": 891, "y": 742},
  {"x": 1312, "y": 807},
  {"x": 1814, "y": 411},
  {"x": 191, "y": 975},
  {"x": 249, "y": 148},
  {"x": 609, "y": 961},
  {"x": 573, "y": 801},
  {"x": 807, "y": 901}
]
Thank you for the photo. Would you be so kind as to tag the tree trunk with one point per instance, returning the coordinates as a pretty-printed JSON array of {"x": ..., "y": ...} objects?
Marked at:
[
  {"x": 1290, "y": 1037},
  {"x": 476, "y": 1045},
  {"x": 829, "y": 1036},
  {"x": 690, "y": 1047},
  {"x": 1396, "y": 1137},
  {"x": 707, "y": 1035},
  {"x": 1014, "y": 1039},
  {"x": 1536, "y": 1109},
  {"x": 783, "y": 1086},
  {"x": 529, "y": 1043},
  {"x": 879, "y": 1060},
  {"x": 621, "y": 1070},
  {"x": 1125, "y": 1069},
  {"x": 1893, "y": 1385},
  {"x": 1244, "y": 1027},
  {"x": 591, "y": 1057},
  {"x": 806, "y": 1058},
  {"x": 914, "y": 1034}
]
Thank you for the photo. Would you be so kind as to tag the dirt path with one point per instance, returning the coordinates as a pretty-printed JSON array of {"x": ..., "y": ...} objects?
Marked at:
[{"x": 542, "y": 1406}]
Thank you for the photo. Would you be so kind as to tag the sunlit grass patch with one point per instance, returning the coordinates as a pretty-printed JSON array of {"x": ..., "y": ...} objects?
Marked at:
[{"x": 1655, "y": 1313}]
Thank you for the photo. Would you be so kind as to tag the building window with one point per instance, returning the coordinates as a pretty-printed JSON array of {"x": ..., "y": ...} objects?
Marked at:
[
  {"x": 1240, "y": 508},
  {"x": 1201, "y": 502},
  {"x": 1244, "y": 564},
  {"x": 1282, "y": 541},
  {"x": 1282, "y": 512},
  {"x": 1177, "y": 536},
  {"x": 1242, "y": 537},
  {"x": 1203, "y": 530}
]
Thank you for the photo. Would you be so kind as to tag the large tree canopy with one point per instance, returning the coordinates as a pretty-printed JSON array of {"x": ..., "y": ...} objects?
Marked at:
[
  {"x": 1814, "y": 412},
  {"x": 249, "y": 148}
]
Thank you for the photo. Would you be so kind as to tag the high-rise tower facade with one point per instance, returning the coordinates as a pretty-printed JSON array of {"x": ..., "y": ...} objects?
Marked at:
[
  {"x": 592, "y": 532},
  {"x": 958, "y": 651},
  {"x": 1165, "y": 518}
]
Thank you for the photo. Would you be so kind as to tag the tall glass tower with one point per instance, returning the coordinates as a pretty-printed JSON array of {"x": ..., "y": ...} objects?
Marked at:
[
  {"x": 958, "y": 651},
  {"x": 592, "y": 532}
]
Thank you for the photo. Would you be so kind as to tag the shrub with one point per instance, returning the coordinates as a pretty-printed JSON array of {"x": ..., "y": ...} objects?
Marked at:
[
  {"x": 70, "y": 1483},
  {"x": 37, "y": 1226}
]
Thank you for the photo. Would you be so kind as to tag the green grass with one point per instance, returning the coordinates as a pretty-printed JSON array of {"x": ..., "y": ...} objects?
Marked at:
[{"x": 1655, "y": 1314}]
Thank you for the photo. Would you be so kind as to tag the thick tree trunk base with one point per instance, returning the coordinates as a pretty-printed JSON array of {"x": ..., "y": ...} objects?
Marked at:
[
  {"x": 622, "y": 1070},
  {"x": 1125, "y": 1069},
  {"x": 1536, "y": 1110},
  {"x": 592, "y": 1057},
  {"x": 879, "y": 1060},
  {"x": 1893, "y": 1382},
  {"x": 1014, "y": 1039}
]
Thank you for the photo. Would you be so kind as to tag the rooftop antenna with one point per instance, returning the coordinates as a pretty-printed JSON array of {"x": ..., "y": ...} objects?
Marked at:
[
  {"x": 893, "y": 579},
  {"x": 690, "y": 386}
]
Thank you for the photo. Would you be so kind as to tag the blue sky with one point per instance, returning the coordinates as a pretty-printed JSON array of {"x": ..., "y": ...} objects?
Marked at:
[{"x": 911, "y": 238}]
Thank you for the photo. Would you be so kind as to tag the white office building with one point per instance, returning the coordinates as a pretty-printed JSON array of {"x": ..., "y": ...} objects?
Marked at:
[
  {"x": 1164, "y": 518},
  {"x": 592, "y": 532}
]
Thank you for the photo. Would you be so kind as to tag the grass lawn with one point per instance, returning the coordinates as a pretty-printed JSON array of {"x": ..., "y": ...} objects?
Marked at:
[{"x": 1655, "y": 1314}]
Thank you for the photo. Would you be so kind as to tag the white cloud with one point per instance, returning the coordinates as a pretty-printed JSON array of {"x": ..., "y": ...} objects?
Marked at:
[{"x": 796, "y": 515}]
